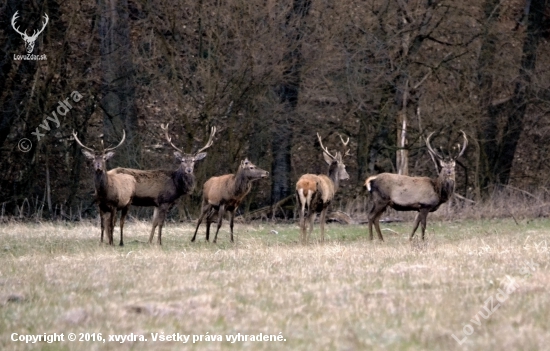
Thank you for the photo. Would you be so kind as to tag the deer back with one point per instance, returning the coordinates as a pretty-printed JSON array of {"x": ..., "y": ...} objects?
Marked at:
[
  {"x": 404, "y": 191},
  {"x": 153, "y": 187},
  {"x": 217, "y": 190}
]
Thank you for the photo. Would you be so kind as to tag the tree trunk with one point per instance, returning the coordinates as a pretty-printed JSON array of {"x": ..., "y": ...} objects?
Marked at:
[
  {"x": 118, "y": 85},
  {"x": 498, "y": 153},
  {"x": 522, "y": 91},
  {"x": 488, "y": 131},
  {"x": 288, "y": 95}
]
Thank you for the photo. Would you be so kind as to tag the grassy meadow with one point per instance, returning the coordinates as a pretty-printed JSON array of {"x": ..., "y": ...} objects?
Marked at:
[{"x": 346, "y": 294}]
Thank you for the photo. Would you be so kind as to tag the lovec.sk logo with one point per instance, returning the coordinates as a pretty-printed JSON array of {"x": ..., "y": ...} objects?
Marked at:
[{"x": 29, "y": 40}]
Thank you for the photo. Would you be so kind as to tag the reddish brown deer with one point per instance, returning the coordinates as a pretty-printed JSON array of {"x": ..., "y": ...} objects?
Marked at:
[
  {"x": 315, "y": 192},
  {"x": 404, "y": 193},
  {"x": 225, "y": 193},
  {"x": 113, "y": 191},
  {"x": 161, "y": 188}
]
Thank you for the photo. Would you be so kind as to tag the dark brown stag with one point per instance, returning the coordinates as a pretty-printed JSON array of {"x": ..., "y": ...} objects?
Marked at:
[
  {"x": 314, "y": 193},
  {"x": 161, "y": 188},
  {"x": 113, "y": 191},
  {"x": 225, "y": 193},
  {"x": 404, "y": 193}
]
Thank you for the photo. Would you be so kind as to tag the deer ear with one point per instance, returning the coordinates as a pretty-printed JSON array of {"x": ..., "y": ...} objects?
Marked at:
[
  {"x": 178, "y": 156},
  {"x": 88, "y": 154},
  {"x": 109, "y": 155},
  {"x": 327, "y": 158},
  {"x": 200, "y": 156}
]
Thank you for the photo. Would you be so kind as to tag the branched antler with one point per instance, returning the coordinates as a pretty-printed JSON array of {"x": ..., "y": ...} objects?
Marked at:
[
  {"x": 210, "y": 140},
  {"x": 168, "y": 138},
  {"x": 325, "y": 150}
]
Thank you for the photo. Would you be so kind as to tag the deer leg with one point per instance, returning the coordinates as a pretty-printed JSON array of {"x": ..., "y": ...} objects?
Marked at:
[
  {"x": 221, "y": 212},
  {"x": 155, "y": 223},
  {"x": 209, "y": 217},
  {"x": 423, "y": 217},
  {"x": 122, "y": 219},
  {"x": 111, "y": 225},
  {"x": 302, "y": 221},
  {"x": 232, "y": 217},
  {"x": 372, "y": 215},
  {"x": 375, "y": 213},
  {"x": 163, "y": 210},
  {"x": 416, "y": 223},
  {"x": 376, "y": 221},
  {"x": 205, "y": 210},
  {"x": 102, "y": 221},
  {"x": 311, "y": 219},
  {"x": 322, "y": 223},
  {"x": 373, "y": 218}
]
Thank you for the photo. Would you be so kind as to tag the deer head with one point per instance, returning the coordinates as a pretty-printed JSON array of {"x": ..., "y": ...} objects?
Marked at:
[
  {"x": 251, "y": 171},
  {"x": 29, "y": 41},
  {"x": 99, "y": 158},
  {"x": 187, "y": 161},
  {"x": 447, "y": 163},
  {"x": 336, "y": 162}
]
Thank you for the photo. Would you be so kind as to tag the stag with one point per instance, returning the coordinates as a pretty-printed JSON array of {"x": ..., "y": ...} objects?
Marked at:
[
  {"x": 161, "y": 188},
  {"x": 315, "y": 192},
  {"x": 225, "y": 193},
  {"x": 29, "y": 41},
  {"x": 404, "y": 193},
  {"x": 113, "y": 191}
]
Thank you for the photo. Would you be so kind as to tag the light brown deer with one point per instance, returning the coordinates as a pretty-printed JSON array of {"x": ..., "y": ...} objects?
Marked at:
[
  {"x": 314, "y": 193},
  {"x": 161, "y": 188},
  {"x": 113, "y": 191},
  {"x": 225, "y": 193},
  {"x": 404, "y": 193}
]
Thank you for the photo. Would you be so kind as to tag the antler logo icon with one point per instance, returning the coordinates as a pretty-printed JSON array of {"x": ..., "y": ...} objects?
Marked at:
[{"x": 29, "y": 41}]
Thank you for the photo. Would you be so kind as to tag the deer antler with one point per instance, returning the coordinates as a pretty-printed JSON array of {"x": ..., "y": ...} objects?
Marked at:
[
  {"x": 112, "y": 148},
  {"x": 432, "y": 151},
  {"x": 325, "y": 150},
  {"x": 165, "y": 128},
  {"x": 464, "y": 145},
  {"x": 80, "y": 143},
  {"x": 345, "y": 144},
  {"x": 210, "y": 140}
]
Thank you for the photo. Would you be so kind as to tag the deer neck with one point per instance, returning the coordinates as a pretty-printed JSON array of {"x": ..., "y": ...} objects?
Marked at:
[
  {"x": 242, "y": 184},
  {"x": 101, "y": 183},
  {"x": 334, "y": 176},
  {"x": 184, "y": 182},
  {"x": 445, "y": 187}
]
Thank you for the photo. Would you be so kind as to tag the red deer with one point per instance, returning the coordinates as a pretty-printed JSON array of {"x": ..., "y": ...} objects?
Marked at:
[
  {"x": 161, "y": 188},
  {"x": 315, "y": 192},
  {"x": 225, "y": 193},
  {"x": 404, "y": 193},
  {"x": 113, "y": 191}
]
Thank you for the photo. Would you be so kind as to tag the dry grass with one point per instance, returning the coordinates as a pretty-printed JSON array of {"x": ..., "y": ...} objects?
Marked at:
[{"x": 347, "y": 294}]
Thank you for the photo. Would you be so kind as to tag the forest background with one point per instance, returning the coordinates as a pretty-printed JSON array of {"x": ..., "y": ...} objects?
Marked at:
[{"x": 270, "y": 75}]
